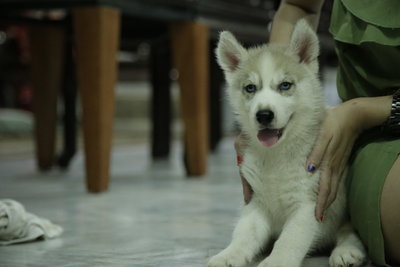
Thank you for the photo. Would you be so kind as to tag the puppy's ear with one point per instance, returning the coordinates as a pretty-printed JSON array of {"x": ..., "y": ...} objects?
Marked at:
[
  {"x": 304, "y": 42},
  {"x": 229, "y": 52}
]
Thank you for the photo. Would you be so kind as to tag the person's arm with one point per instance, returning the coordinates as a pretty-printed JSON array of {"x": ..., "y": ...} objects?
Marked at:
[{"x": 289, "y": 12}]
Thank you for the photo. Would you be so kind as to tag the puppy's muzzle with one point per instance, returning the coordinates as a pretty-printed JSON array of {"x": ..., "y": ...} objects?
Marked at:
[{"x": 265, "y": 117}]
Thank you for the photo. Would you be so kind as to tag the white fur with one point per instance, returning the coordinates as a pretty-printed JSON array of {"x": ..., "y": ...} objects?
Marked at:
[{"x": 283, "y": 203}]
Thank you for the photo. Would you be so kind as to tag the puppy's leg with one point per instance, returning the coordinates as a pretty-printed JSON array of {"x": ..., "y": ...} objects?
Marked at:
[
  {"x": 349, "y": 250},
  {"x": 295, "y": 239},
  {"x": 249, "y": 237}
]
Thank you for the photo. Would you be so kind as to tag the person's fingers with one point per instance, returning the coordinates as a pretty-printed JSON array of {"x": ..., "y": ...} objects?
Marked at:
[
  {"x": 240, "y": 144},
  {"x": 317, "y": 154},
  {"x": 320, "y": 157},
  {"x": 335, "y": 179},
  {"x": 346, "y": 155},
  {"x": 337, "y": 155},
  {"x": 332, "y": 161},
  {"x": 237, "y": 145},
  {"x": 337, "y": 175},
  {"x": 247, "y": 190},
  {"x": 323, "y": 193},
  {"x": 239, "y": 160}
]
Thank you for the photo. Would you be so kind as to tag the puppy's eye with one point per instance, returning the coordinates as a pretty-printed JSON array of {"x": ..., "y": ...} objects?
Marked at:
[
  {"x": 250, "y": 88},
  {"x": 284, "y": 86}
]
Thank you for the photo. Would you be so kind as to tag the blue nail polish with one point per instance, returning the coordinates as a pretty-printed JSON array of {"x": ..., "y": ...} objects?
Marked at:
[{"x": 311, "y": 168}]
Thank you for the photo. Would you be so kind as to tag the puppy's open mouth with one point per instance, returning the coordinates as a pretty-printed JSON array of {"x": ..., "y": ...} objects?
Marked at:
[{"x": 269, "y": 137}]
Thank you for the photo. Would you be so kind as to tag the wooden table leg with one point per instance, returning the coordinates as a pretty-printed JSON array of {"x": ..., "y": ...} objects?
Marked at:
[
  {"x": 47, "y": 48},
  {"x": 97, "y": 42},
  {"x": 190, "y": 49}
]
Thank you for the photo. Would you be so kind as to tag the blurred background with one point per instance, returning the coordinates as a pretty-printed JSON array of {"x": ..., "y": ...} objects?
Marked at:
[{"x": 133, "y": 91}]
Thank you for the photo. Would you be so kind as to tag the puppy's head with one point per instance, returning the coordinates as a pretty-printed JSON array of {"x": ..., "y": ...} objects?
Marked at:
[{"x": 273, "y": 88}]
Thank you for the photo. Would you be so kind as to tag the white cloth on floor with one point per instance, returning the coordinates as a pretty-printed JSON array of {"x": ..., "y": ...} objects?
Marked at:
[{"x": 17, "y": 225}]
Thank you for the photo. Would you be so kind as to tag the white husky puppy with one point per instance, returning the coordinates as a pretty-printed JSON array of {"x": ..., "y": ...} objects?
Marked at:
[{"x": 275, "y": 91}]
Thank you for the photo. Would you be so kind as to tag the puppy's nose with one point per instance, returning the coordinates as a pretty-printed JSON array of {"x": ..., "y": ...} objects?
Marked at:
[{"x": 264, "y": 117}]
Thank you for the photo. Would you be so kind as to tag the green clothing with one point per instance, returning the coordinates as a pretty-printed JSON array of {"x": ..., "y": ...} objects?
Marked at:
[
  {"x": 369, "y": 54},
  {"x": 371, "y": 162},
  {"x": 360, "y": 21},
  {"x": 367, "y": 37}
]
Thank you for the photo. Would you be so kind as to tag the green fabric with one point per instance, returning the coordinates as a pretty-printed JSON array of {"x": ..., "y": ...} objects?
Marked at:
[
  {"x": 367, "y": 38},
  {"x": 373, "y": 161},
  {"x": 368, "y": 69},
  {"x": 384, "y": 13},
  {"x": 356, "y": 22}
]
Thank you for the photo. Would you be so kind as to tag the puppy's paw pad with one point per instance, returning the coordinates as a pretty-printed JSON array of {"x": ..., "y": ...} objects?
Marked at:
[{"x": 346, "y": 257}]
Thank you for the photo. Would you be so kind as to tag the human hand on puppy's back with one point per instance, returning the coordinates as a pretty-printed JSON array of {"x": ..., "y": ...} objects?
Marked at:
[{"x": 331, "y": 152}]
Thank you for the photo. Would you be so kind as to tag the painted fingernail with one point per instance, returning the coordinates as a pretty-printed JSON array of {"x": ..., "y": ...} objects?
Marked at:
[
  {"x": 239, "y": 160},
  {"x": 321, "y": 218},
  {"x": 310, "y": 168}
]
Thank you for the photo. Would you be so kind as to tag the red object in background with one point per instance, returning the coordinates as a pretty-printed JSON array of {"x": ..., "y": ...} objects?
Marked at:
[
  {"x": 20, "y": 33},
  {"x": 24, "y": 98},
  {"x": 24, "y": 88},
  {"x": 15, "y": 61}
]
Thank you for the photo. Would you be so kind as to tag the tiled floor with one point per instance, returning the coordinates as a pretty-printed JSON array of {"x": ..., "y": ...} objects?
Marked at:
[{"x": 152, "y": 215}]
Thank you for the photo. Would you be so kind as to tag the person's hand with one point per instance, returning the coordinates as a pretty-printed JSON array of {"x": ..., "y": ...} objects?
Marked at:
[
  {"x": 341, "y": 127},
  {"x": 240, "y": 145}
]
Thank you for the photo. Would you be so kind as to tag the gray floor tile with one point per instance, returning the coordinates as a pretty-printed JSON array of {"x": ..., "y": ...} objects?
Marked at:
[{"x": 151, "y": 216}]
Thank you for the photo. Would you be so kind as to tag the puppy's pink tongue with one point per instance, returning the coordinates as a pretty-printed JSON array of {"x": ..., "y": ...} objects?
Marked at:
[{"x": 268, "y": 137}]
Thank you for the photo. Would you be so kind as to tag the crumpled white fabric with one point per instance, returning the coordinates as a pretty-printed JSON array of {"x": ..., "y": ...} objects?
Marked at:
[{"x": 18, "y": 225}]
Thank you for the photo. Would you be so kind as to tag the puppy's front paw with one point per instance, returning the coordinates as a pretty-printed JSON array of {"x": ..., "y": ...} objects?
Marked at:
[
  {"x": 346, "y": 256},
  {"x": 228, "y": 258}
]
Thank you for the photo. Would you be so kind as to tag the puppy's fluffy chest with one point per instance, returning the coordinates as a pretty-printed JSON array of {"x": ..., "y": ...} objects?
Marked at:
[{"x": 280, "y": 184}]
